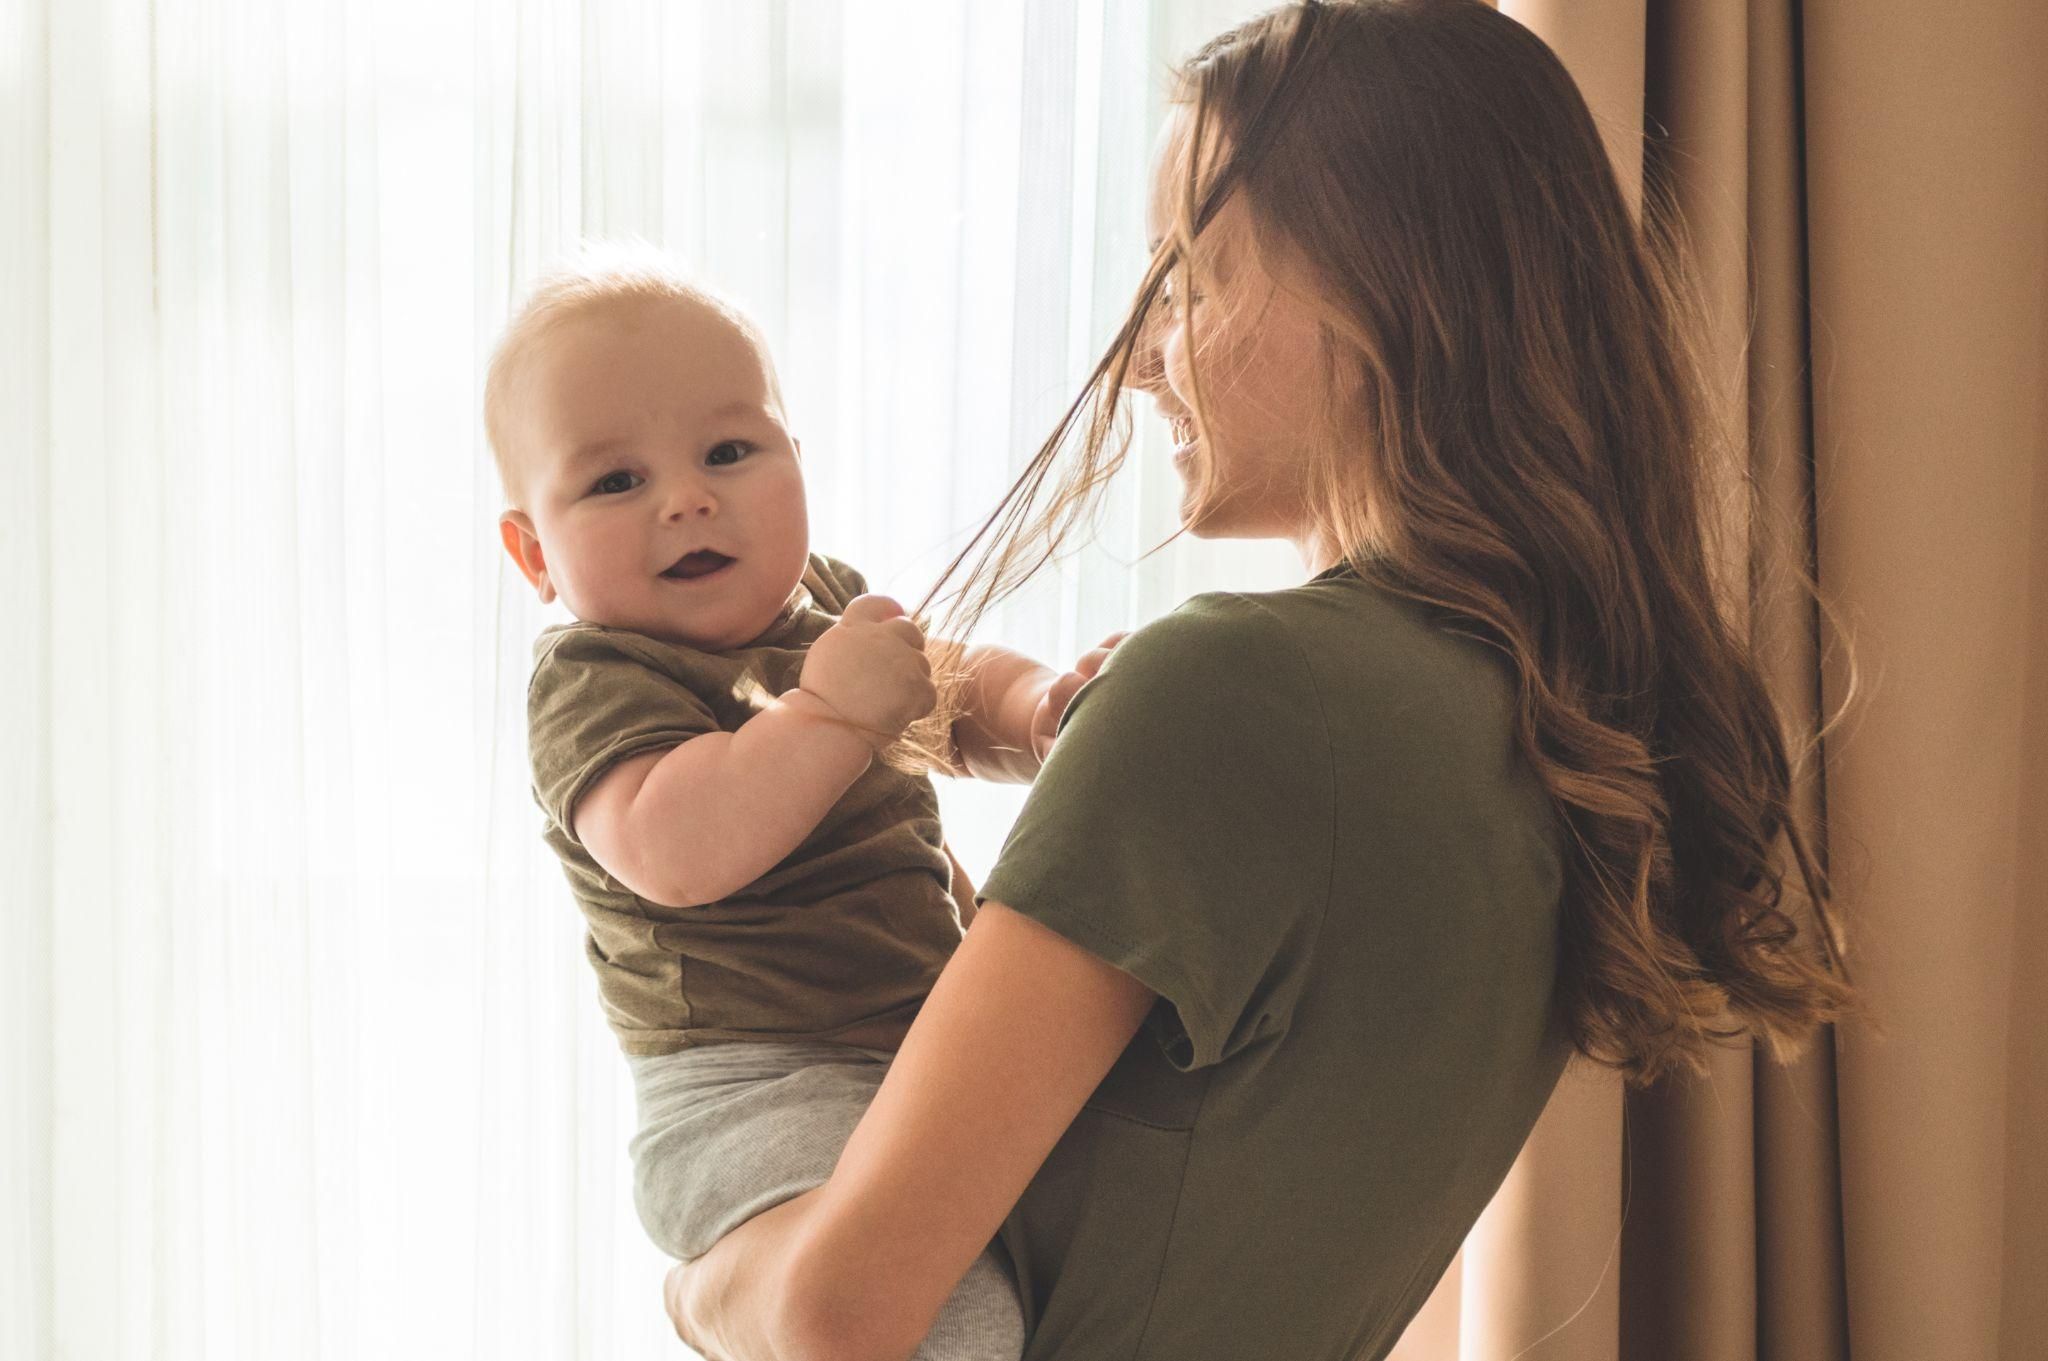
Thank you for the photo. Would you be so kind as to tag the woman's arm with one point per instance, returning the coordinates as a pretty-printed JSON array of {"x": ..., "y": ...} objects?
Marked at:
[{"x": 1020, "y": 1028}]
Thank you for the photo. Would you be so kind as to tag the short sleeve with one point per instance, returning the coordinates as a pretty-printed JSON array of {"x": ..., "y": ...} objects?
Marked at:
[
  {"x": 594, "y": 701},
  {"x": 1181, "y": 829}
]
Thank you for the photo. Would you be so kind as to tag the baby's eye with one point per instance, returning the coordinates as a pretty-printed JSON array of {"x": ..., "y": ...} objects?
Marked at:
[
  {"x": 728, "y": 452},
  {"x": 612, "y": 484}
]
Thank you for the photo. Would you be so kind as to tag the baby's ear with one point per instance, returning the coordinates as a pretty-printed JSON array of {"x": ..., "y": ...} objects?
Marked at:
[
  {"x": 797, "y": 445},
  {"x": 515, "y": 531}
]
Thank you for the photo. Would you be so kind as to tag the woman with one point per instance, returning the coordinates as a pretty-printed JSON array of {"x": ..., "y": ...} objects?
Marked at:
[{"x": 1321, "y": 888}]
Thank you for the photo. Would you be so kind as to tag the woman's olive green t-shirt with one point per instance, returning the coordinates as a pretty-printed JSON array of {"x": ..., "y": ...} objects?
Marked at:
[{"x": 1299, "y": 817}]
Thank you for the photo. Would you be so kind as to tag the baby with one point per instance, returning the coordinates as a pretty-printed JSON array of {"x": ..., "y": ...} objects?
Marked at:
[{"x": 768, "y": 902}]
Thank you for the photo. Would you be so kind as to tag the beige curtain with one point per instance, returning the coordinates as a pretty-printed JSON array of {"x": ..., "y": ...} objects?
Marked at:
[{"x": 1867, "y": 185}]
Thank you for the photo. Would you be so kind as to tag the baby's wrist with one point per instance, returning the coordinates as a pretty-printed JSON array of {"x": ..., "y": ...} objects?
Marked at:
[
  {"x": 811, "y": 704},
  {"x": 1020, "y": 706}
]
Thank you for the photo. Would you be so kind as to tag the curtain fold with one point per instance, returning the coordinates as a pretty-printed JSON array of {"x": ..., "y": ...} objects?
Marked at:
[
  {"x": 25, "y": 966},
  {"x": 1863, "y": 187},
  {"x": 1927, "y": 205}
]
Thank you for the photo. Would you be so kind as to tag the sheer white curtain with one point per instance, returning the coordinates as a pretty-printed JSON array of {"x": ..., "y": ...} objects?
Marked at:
[{"x": 301, "y": 1056}]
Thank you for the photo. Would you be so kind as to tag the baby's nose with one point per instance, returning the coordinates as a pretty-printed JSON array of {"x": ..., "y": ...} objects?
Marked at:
[{"x": 691, "y": 498}]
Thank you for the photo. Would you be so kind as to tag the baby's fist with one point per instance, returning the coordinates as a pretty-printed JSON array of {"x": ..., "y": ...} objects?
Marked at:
[{"x": 871, "y": 668}]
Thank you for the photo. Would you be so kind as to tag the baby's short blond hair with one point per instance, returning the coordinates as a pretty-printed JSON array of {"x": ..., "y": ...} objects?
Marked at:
[{"x": 602, "y": 274}]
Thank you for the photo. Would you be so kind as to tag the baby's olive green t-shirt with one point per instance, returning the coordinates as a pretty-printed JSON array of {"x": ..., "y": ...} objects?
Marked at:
[
  {"x": 841, "y": 940},
  {"x": 1300, "y": 817}
]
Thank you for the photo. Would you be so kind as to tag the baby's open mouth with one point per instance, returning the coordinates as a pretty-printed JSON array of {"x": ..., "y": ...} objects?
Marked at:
[{"x": 701, "y": 563}]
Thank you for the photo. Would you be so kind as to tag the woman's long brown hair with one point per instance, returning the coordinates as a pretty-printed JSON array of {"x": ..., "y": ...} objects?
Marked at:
[{"x": 1532, "y": 434}]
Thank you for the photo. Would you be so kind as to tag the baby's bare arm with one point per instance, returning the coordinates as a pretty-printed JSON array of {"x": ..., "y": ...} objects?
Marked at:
[
  {"x": 697, "y": 822},
  {"x": 992, "y": 735},
  {"x": 703, "y": 820}
]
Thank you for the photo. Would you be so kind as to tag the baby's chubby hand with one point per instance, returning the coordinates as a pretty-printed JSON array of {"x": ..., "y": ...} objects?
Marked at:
[
  {"x": 1045, "y": 719},
  {"x": 870, "y": 667}
]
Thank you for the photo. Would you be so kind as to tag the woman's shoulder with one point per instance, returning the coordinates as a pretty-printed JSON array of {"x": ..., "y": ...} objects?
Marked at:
[
  {"x": 1349, "y": 660},
  {"x": 1380, "y": 639},
  {"x": 1207, "y": 645},
  {"x": 1218, "y": 642},
  {"x": 1374, "y": 670},
  {"x": 1331, "y": 617},
  {"x": 1218, "y": 681}
]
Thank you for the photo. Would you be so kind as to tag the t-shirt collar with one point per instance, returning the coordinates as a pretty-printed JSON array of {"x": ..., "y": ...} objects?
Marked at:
[{"x": 800, "y": 603}]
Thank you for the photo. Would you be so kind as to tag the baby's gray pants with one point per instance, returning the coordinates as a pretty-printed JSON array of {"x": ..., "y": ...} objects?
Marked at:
[{"x": 729, "y": 1130}]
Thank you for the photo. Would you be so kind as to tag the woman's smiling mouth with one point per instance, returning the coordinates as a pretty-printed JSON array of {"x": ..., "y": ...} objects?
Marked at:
[{"x": 698, "y": 565}]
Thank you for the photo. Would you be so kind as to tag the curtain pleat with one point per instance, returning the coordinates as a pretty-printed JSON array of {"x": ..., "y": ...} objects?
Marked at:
[
  {"x": 1862, "y": 187},
  {"x": 1927, "y": 214},
  {"x": 26, "y": 966}
]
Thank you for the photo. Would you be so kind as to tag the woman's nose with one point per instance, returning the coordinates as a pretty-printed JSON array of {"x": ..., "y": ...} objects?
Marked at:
[{"x": 1147, "y": 371}]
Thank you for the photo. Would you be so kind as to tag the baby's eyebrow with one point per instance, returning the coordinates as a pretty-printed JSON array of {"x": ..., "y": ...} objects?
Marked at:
[
  {"x": 611, "y": 446},
  {"x": 595, "y": 451}
]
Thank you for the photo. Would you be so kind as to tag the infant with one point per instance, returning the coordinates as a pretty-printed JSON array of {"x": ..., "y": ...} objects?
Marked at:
[{"x": 768, "y": 902}]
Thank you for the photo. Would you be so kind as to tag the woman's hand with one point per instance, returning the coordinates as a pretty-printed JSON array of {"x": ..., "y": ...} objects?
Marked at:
[
  {"x": 730, "y": 1304},
  {"x": 678, "y": 1294},
  {"x": 1045, "y": 719}
]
